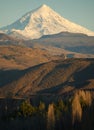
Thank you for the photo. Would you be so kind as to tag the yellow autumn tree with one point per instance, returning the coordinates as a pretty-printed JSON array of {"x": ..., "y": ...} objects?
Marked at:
[
  {"x": 76, "y": 109},
  {"x": 50, "y": 117},
  {"x": 86, "y": 97}
]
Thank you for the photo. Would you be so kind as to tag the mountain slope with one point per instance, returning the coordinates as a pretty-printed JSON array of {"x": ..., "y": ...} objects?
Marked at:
[
  {"x": 78, "y": 42},
  {"x": 8, "y": 40},
  {"x": 55, "y": 77},
  {"x": 19, "y": 57},
  {"x": 43, "y": 21}
]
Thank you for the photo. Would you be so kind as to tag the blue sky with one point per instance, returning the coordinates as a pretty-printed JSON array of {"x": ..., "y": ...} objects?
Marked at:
[{"x": 78, "y": 11}]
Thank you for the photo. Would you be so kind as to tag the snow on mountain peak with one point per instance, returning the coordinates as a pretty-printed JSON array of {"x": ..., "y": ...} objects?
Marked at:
[
  {"x": 43, "y": 21},
  {"x": 44, "y": 6}
]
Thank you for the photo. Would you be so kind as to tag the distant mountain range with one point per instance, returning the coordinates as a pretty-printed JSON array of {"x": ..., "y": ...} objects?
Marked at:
[
  {"x": 74, "y": 42},
  {"x": 44, "y": 28},
  {"x": 16, "y": 53},
  {"x": 40, "y": 22}
]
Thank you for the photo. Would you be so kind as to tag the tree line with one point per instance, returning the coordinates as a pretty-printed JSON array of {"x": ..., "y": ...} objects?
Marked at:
[{"x": 74, "y": 113}]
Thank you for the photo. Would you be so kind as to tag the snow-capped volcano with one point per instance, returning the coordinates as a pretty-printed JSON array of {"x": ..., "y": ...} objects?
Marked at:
[{"x": 43, "y": 21}]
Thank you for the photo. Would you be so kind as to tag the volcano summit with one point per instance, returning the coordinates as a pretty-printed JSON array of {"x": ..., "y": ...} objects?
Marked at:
[{"x": 43, "y": 21}]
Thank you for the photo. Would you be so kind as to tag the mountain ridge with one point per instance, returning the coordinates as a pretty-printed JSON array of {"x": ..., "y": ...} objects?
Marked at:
[{"x": 54, "y": 77}]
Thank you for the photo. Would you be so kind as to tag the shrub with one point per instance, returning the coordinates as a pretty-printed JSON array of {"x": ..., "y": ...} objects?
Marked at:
[{"x": 27, "y": 109}]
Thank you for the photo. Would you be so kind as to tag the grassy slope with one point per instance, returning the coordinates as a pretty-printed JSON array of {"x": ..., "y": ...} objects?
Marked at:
[{"x": 55, "y": 77}]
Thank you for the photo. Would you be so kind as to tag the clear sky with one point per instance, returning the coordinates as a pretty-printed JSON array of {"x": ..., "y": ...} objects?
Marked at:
[{"x": 78, "y": 11}]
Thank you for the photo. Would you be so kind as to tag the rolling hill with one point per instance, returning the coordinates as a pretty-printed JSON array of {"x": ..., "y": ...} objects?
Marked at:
[
  {"x": 55, "y": 77},
  {"x": 20, "y": 57},
  {"x": 79, "y": 43}
]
